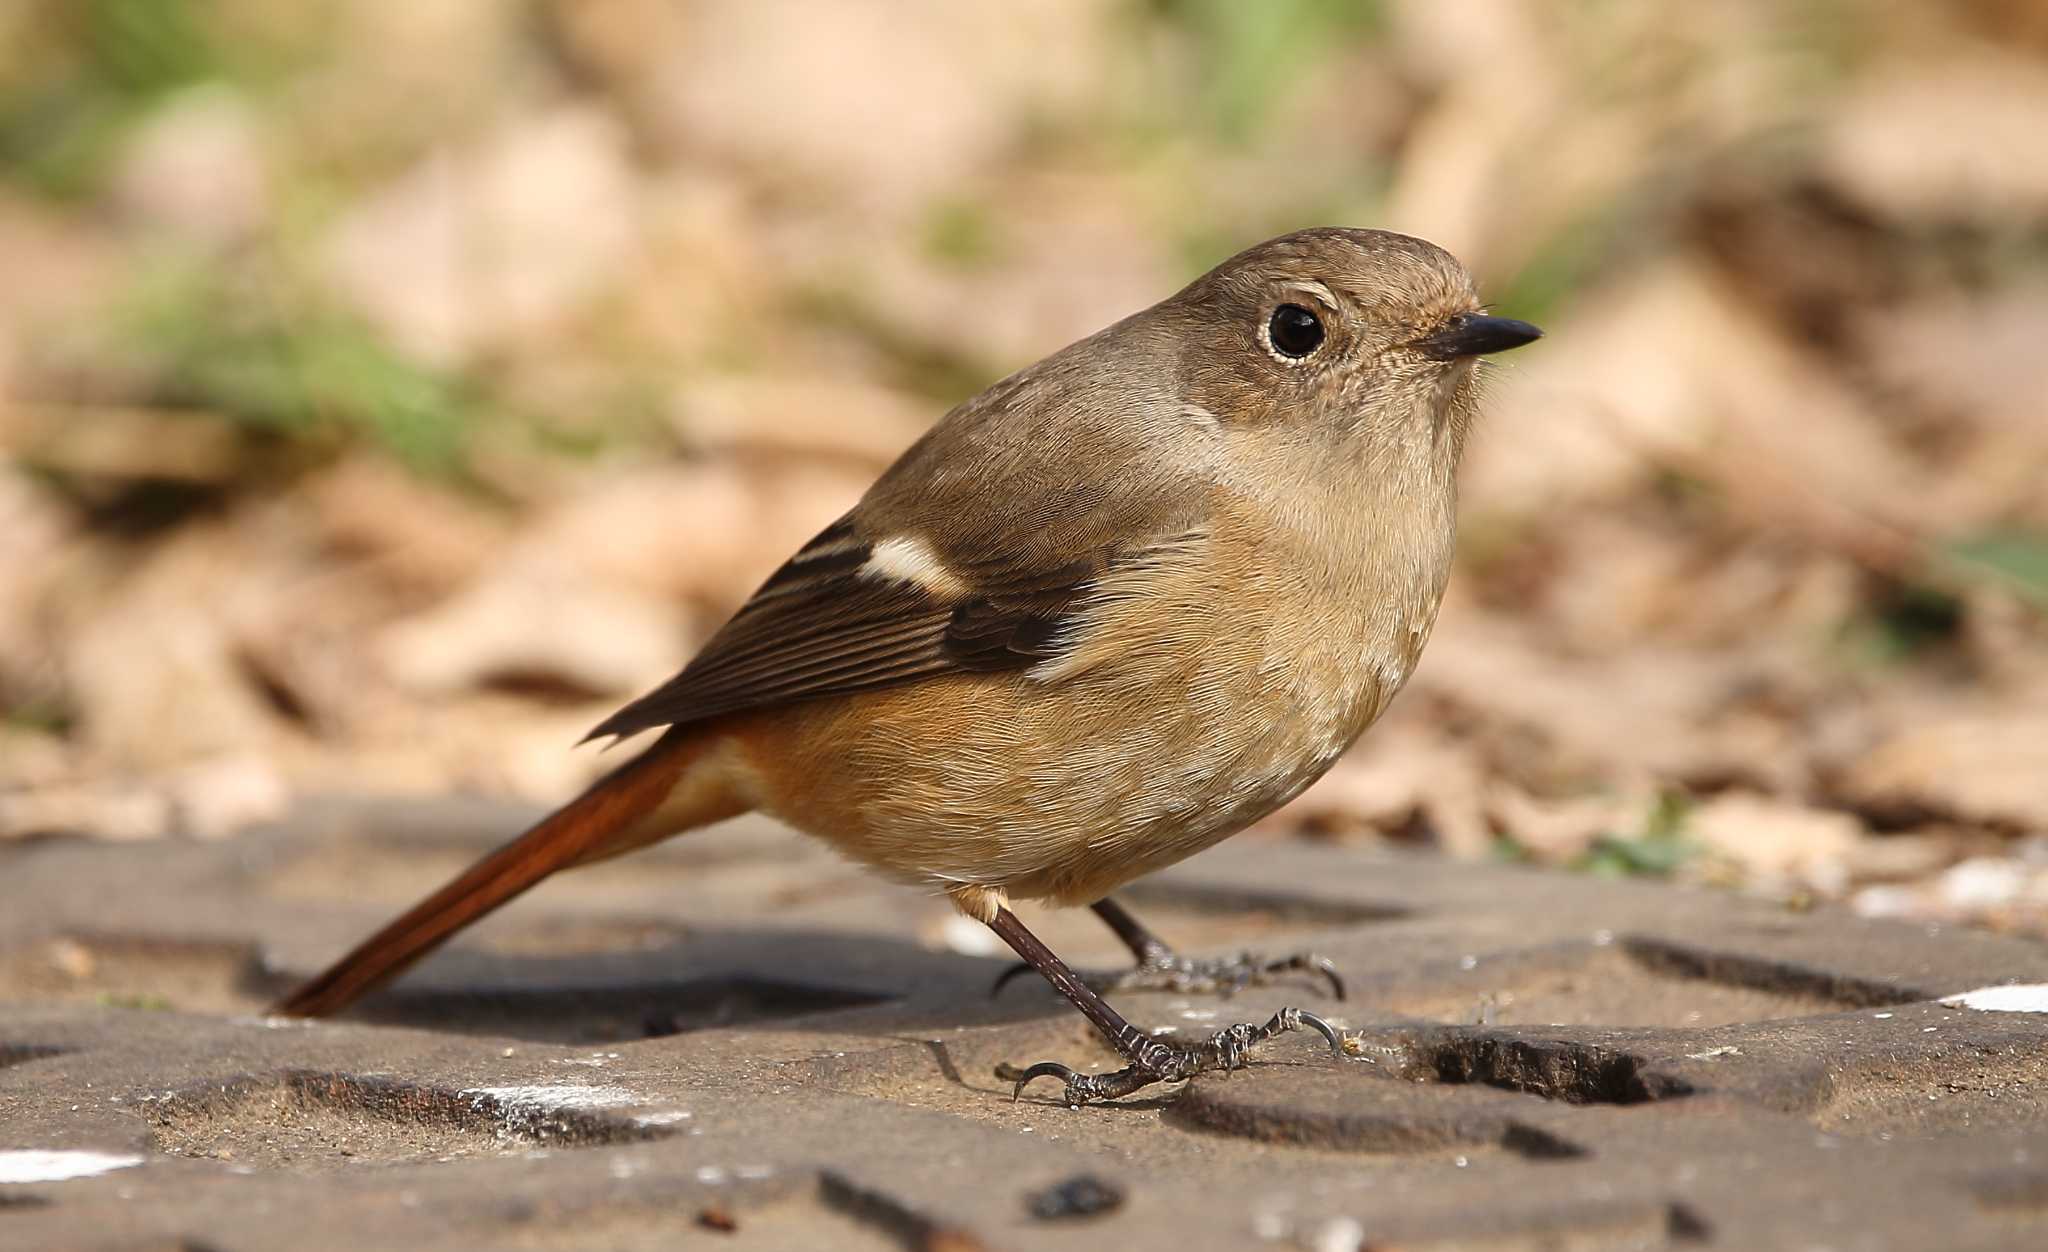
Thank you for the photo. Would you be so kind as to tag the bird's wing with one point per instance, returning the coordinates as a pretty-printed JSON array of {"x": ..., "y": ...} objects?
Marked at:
[
  {"x": 848, "y": 614},
  {"x": 974, "y": 552}
]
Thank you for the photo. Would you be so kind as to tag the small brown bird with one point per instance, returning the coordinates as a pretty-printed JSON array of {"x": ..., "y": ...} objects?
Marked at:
[{"x": 1106, "y": 613}]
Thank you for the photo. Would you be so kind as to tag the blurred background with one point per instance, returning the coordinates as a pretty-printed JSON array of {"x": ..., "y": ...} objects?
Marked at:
[{"x": 388, "y": 391}]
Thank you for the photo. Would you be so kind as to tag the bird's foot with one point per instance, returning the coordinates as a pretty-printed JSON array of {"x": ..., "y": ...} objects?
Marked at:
[
  {"x": 1154, "y": 1060},
  {"x": 1162, "y": 969}
]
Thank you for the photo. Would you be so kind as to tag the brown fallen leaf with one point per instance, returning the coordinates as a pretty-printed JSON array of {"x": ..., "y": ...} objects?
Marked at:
[
  {"x": 1985, "y": 766},
  {"x": 1778, "y": 845}
]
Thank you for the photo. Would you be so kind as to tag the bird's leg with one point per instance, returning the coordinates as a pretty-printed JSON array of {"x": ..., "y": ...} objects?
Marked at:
[
  {"x": 1159, "y": 968},
  {"x": 1151, "y": 1059}
]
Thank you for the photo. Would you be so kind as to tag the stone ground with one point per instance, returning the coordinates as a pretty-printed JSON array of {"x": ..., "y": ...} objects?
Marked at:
[{"x": 738, "y": 1041}]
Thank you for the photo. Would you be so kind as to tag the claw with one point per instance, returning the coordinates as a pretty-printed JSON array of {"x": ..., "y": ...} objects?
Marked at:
[
  {"x": 1301, "y": 962},
  {"x": 1328, "y": 969},
  {"x": 1327, "y": 1031}
]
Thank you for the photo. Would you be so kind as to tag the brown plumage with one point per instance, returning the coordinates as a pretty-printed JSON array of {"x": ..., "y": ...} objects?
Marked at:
[{"x": 1113, "y": 609}]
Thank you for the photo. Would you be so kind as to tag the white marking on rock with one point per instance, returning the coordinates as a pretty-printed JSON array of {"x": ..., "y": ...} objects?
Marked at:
[
  {"x": 535, "y": 1109},
  {"x": 541, "y": 1110},
  {"x": 545, "y": 1099},
  {"x": 911, "y": 560},
  {"x": 33, "y": 1165},
  {"x": 2026, "y": 997}
]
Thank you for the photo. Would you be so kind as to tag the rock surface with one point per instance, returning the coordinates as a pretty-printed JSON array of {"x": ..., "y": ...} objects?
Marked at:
[{"x": 738, "y": 1038}]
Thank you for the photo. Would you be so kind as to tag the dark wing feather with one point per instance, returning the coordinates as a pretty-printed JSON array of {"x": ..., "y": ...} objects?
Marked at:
[
  {"x": 819, "y": 627},
  {"x": 1013, "y": 629}
]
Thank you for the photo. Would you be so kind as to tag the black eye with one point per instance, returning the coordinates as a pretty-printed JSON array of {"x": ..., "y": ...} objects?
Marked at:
[{"x": 1295, "y": 331}]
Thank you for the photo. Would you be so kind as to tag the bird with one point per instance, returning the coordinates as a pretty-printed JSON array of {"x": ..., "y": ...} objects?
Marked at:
[{"x": 1111, "y": 610}]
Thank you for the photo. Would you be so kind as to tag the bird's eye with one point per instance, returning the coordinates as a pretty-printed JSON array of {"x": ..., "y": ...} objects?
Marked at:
[{"x": 1295, "y": 331}]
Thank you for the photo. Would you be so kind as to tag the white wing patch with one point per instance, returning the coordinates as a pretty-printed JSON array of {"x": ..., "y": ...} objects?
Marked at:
[
  {"x": 35, "y": 1165},
  {"x": 911, "y": 560}
]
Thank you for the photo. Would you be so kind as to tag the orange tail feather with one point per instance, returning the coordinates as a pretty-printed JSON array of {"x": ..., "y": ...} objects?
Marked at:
[{"x": 578, "y": 831}]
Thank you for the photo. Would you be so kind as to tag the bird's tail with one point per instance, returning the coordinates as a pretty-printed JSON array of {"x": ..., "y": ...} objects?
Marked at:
[{"x": 596, "y": 824}]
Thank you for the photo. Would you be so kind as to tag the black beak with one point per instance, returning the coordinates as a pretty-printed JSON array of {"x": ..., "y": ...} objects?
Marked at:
[{"x": 1475, "y": 334}]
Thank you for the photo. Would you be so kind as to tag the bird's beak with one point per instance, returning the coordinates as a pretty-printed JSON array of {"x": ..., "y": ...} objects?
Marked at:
[{"x": 1475, "y": 334}]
